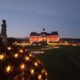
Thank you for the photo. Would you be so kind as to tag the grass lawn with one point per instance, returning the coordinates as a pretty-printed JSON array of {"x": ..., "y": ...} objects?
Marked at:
[{"x": 58, "y": 64}]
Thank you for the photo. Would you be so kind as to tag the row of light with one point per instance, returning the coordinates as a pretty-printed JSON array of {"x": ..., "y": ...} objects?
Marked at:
[
  {"x": 9, "y": 68},
  {"x": 22, "y": 67},
  {"x": 16, "y": 55}
]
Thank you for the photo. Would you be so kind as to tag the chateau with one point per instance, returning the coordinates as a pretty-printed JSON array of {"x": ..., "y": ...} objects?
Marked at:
[{"x": 44, "y": 36}]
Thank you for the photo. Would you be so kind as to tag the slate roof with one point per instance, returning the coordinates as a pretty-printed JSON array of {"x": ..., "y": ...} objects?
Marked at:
[{"x": 43, "y": 33}]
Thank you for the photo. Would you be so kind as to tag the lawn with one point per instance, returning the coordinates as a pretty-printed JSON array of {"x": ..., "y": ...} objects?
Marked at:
[{"x": 58, "y": 64}]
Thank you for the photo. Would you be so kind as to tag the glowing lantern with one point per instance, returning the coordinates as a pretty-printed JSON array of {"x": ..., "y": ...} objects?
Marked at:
[
  {"x": 8, "y": 68},
  {"x": 43, "y": 71},
  {"x": 22, "y": 66},
  {"x": 9, "y": 48},
  {"x": 26, "y": 67},
  {"x": 36, "y": 64},
  {"x": 16, "y": 55},
  {"x": 39, "y": 76},
  {"x": 32, "y": 71},
  {"x": 2, "y": 56},
  {"x": 21, "y": 51},
  {"x": 27, "y": 58},
  {"x": 30, "y": 55}
]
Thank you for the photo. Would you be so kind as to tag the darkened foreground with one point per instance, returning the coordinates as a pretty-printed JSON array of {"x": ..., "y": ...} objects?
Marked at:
[
  {"x": 62, "y": 63},
  {"x": 18, "y": 64}
]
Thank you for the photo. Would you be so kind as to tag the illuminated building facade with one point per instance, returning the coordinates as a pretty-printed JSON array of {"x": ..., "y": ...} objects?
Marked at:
[{"x": 44, "y": 36}]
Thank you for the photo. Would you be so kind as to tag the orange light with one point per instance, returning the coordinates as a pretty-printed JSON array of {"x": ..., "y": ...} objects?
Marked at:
[
  {"x": 22, "y": 66},
  {"x": 9, "y": 48},
  {"x": 38, "y": 61},
  {"x": 21, "y": 51},
  {"x": 2, "y": 56},
  {"x": 43, "y": 71},
  {"x": 36, "y": 64},
  {"x": 8, "y": 68},
  {"x": 30, "y": 55},
  {"x": 46, "y": 73},
  {"x": 39, "y": 76},
  {"x": 32, "y": 71},
  {"x": 16, "y": 55},
  {"x": 27, "y": 58}
]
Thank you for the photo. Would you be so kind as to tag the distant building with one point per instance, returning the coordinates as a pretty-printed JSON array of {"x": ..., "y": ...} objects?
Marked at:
[{"x": 44, "y": 36}]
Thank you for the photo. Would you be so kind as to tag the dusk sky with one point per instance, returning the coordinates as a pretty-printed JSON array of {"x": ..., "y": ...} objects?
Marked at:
[{"x": 25, "y": 16}]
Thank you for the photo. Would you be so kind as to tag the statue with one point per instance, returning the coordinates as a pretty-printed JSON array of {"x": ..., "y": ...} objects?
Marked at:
[{"x": 3, "y": 32}]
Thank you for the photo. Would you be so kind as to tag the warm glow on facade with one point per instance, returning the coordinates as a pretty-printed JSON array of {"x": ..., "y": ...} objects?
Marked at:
[{"x": 44, "y": 36}]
